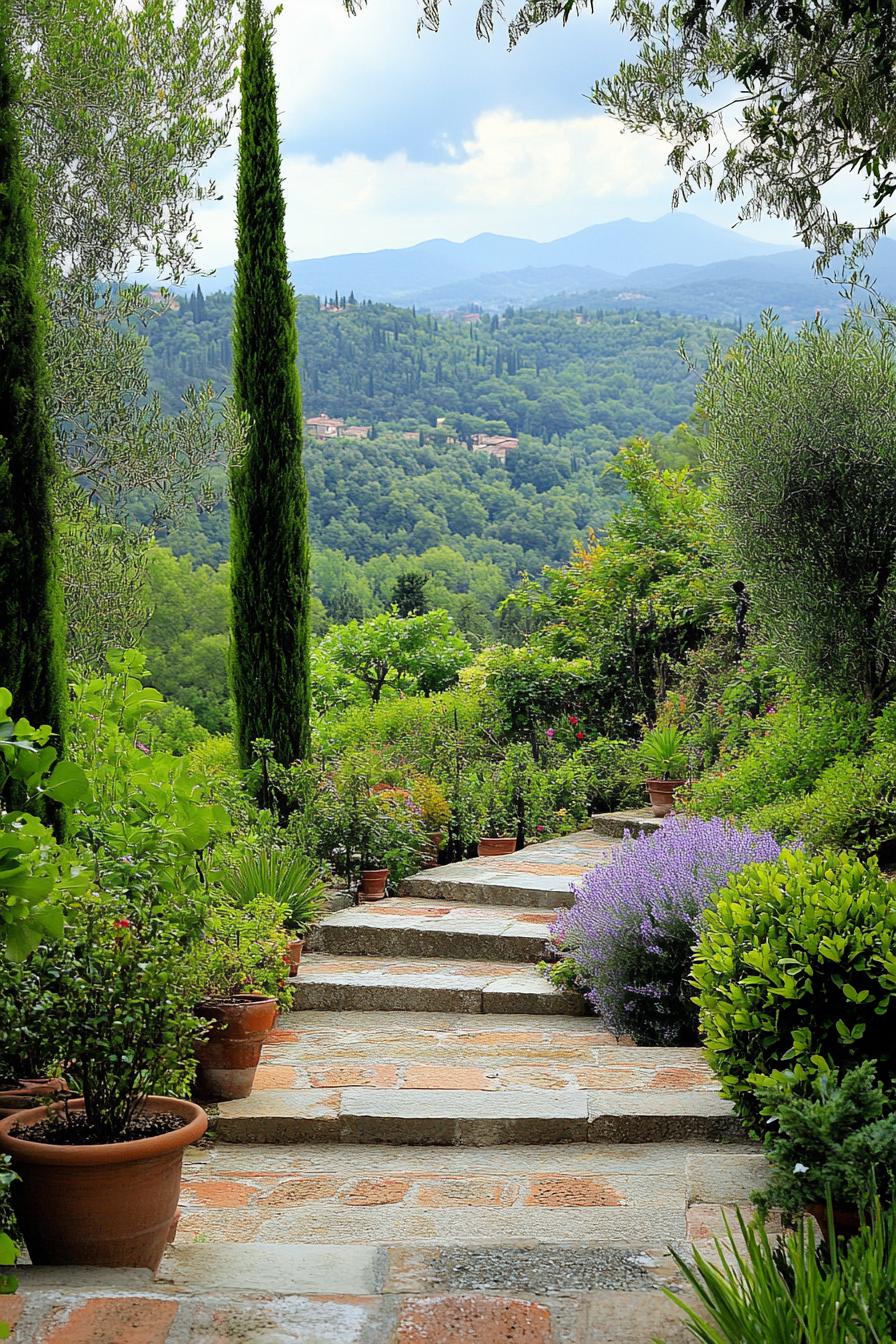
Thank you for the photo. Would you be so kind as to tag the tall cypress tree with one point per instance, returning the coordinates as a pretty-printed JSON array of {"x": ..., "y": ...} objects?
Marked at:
[
  {"x": 269, "y": 538},
  {"x": 32, "y": 630}
]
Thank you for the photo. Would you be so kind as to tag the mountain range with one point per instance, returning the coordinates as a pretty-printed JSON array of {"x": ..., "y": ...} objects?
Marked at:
[{"x": 678, "y": 263}]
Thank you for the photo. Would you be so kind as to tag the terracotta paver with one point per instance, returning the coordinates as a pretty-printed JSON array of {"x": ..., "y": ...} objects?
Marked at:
[
  {"x": 112, "y": 1320},
  {"x": 562, "y": 1192},
  {"x": 384, "y": 1191},
  {"x": 474, "y": 1320}
]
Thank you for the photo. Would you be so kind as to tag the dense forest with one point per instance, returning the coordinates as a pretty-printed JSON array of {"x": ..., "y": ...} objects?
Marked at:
[{"x": 570, "y": 386}]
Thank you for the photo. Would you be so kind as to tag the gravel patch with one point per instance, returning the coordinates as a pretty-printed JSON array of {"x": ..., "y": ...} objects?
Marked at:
[{"x": 543, "y": 1270}]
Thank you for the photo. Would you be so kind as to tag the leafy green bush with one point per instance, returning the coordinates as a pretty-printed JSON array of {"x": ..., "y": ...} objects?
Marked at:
[
  {"x": 799, "y": 740},
  {"x": 837, "y": 1142},
  {"x": 241, "y": 950},
  {"x": 796, "y": 968},
  {"x": 122, "y": 1002},
  {"x": 853, "y": 806},
  {"x": 428, "y": 731},
  {"x": 795, "y": 1292}
]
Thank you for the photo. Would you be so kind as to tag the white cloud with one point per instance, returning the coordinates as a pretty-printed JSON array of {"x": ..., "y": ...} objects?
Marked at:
[{"x": 534, "y": 178}]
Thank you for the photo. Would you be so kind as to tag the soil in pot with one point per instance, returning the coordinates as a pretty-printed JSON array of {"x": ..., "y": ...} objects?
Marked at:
[
  {"x": 109, "y": 1204},
  {"x": 490, "y": 846},
  {"x": 662, "y": 794},
  {"x": 228, "y": 1055},
  {"x": 373, "y": 884}
]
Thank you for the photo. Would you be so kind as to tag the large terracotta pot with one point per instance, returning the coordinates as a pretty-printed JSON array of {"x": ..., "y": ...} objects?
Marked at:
[
  {"x": 228, "y": 1055},
  {"x": 490, "y": 846},
  {"x": 373, "y": 884},
  {"x": 31, "y": 1092},
  {"x": 846, "y": 1217},
  {"x": 662, "y": 794},
  {"x": 108, "y": 1204}
]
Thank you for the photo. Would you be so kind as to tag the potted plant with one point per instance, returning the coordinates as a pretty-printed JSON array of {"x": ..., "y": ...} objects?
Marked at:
[
  {"x": 831, "y": 1146},
  {"x": 498, "y": 819},
  {"x": 435, "y": 811},
  {"x": 391, "y": 843},
  {"x": 292, "y": 880},
  {"x": 239, "y": 979},
  {"x": 664, "y": 757},
  {"x": 99, "y": 1177}
]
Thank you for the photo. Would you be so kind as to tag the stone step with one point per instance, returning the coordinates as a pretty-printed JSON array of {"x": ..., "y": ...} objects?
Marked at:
[
  {"x": 409, "y": 928},
  {"x": 471, "y": 1119},
  {"x": 613, "y": 825},
  {"x": 412, "y": 1195},
  {"x": 426, "y": 985},
  {"x": 538, "y": 876}
]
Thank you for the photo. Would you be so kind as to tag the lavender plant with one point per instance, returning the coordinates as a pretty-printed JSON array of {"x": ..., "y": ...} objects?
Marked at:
[{"x": 635, "y": 920}]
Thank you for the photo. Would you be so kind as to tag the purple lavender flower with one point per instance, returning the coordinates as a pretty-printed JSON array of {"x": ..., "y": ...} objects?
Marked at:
[{"x": 635, "y": 920}]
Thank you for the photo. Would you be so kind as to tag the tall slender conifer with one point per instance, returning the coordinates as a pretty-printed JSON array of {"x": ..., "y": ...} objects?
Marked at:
[
  {"x": 269, "y": 545},
  {"x": 32, "y": 628}
]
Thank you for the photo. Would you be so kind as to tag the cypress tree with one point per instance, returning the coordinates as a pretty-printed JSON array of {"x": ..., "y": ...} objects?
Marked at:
[
  {"x": 32, "y": 629},
  {"x": 269, "y": 547}
]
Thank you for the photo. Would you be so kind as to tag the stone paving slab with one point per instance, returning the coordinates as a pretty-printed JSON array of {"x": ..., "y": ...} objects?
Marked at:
[
  {"x": 637, "y": 821},
  {"x": 150, "y": 1317},
  {"x": 539, "y": 875},
  {"x": 388, "y": 984},
  {"x": 398, "y": 927},
  {"x": 409, "y": 1195},
  {"x": 454, "y": 1050}
]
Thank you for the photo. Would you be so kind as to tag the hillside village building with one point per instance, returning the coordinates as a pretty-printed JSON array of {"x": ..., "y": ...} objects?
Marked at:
[
  {"x": 324, "y": 427},
  {"x": 496, "y": 445}
]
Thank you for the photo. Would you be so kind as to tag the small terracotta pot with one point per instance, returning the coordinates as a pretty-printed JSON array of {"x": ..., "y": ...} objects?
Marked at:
[
  {"x": 662, "y": 794},
  {"x": 228, "y": 1055},
  {"x": 293, "y": 957},
  {"x": 31, "y": 1092},
  {"x": 490, "y": 846},
  {"x": 847, "y": 1220},
  {"x": 108, "y": 1204},
  {"x": 373, "y": 884}
]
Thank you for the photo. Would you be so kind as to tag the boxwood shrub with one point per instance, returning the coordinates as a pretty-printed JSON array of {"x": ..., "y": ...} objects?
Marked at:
[{"x": 796, "y": 963}]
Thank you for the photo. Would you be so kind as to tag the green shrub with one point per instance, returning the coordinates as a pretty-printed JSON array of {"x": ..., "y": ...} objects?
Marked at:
[
  {"x": 836, "y": 1142},
  {"x": 796, "y": 964},
  {"x": 799, "y": 740},
  {"x": 423, "y": 730},
  {"x": 853, "y": 806}
]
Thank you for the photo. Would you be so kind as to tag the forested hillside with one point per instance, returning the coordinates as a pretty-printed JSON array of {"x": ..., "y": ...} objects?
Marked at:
[
  {"x": 415, "y": 496},
  {"x": 606, "y": 376}
]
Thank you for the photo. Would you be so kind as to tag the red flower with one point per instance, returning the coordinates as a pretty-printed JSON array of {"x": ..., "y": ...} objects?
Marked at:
[
  {"x": 122, "y": 923},
  {"x": 572, "y": 719},
  {"x": 539, "y": 828},
  {"x": 580, "y": 736}
]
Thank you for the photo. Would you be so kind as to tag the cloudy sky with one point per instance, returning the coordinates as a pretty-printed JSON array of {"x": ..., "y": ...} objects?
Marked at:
[{"x": 390, "y": 138}]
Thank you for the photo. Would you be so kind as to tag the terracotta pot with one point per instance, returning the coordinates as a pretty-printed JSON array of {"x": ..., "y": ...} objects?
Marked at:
[
  {"x": 108, "y": 1204},
  {"x": 490, "y": 846},
  {"x": 662, "y": 794},
  {"x": 293, "y": 957},
  {"x": 31, "y": 1092},
  {"x": 846, "y": 1219},
  {"x": 228, "y": 1055},
  {"x": 373, "y": 884}
]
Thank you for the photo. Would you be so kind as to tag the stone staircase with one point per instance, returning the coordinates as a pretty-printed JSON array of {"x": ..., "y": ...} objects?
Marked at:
[{"x": 442, "y": 1148}]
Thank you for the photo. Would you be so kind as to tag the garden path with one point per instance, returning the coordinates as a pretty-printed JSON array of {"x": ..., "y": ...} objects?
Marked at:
[{"x": 441, "y": 1148}]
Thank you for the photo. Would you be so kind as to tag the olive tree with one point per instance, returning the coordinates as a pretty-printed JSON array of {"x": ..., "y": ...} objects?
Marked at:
[{"x": 802, "y": 439}]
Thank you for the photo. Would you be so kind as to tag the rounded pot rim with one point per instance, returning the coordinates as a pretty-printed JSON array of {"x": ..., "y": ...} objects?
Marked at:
[
  {"x": 664, "y": 783},
  {"x": 497, "y": 837},
  {"x": 249, "y": 1000},
  {"x": 371, "y": 871},
  {"x": 103, "y": 1154}
]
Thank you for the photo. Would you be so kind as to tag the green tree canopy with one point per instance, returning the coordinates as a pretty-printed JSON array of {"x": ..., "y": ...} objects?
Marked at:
[{"x": 389, "y": 653}]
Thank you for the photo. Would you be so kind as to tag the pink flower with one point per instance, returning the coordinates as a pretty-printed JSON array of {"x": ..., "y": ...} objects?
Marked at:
[
  {"x": 549, "y": 734},
  {"x": 539, "y": 828},
  {"x": 141, "y": 746}
]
